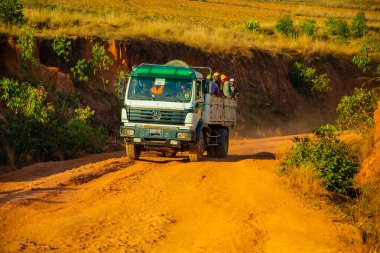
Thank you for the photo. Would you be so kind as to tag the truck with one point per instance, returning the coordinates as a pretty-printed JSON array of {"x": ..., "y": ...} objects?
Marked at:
[{"x": 169, "y": 108}]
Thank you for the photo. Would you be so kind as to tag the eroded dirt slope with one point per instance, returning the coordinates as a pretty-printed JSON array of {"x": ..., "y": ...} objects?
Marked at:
[{"x": 164, "y": 205}]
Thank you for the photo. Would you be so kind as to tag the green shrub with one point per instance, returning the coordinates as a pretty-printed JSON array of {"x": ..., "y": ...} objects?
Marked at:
[
  {"x": 62, "y": 47},
  {"x": 78, "y": 138},
  {"x": 25, "y": 110},
  {"x": 120, "y": 83},
  {"x": 306, "y": 79},
  {"x": 100, "y": 60},
  {"x": 363, "y": 62},
  {"x": 33, "y": 127},
  {"x": 252, "y": 25},
  {"x": 331, "y": 159},
  {"x": 338, "y": 28},
  {"x": 308, "y": 27},
  {"x": 359, "y": 25},
  {"x": 85, "y": 114},
  {"x": 285, "y": 26},
  {"x": 356, "y": 111},
  {"x": 27, "y": 45},
  {"x": 369, "y": 48},
  {"x": 81, "y": 71},
  {"x": 11, "y": 12}
]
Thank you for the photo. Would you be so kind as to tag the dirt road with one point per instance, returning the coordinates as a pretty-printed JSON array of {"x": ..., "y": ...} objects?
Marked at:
[{"x": 238, "y": 204}]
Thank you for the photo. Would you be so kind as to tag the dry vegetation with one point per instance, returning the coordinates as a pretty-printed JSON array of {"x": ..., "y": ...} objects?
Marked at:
[{"x": 214, "y": 25}]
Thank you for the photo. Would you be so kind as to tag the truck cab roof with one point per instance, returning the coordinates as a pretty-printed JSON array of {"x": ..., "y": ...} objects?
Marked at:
[{"x": 164, "y": 71}]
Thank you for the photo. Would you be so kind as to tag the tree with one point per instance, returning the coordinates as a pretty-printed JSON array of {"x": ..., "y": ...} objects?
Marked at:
[
  {"x": 62, "y": 47},
  {"x": 356, "y": 111},
  {"x": 25, "y": 108},
  {"x": 11, "y": 12},
  {"x": 359, "y": 25},
  {"x": 27, "y": 45},
  {"x": 306, "y": 79},
  {"x": 338, "y": 28},
  {"x": 100, "y": 61},
  {"x": 285, "y": 26},
  {"x": 308, "y": 27}
]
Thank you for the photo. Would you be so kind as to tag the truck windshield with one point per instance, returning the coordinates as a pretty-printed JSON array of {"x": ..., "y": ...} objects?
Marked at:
[{"x": 160, "y": 89}]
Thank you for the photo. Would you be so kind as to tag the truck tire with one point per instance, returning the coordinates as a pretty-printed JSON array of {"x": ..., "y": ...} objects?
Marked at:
[
  {"x": 133, "y": 152},
  {"x": 222, "y": 149},
  {"x": 211, "y": 151},
  {"x": 170, "y": 154},
  {"x": 196, "y": 153}
]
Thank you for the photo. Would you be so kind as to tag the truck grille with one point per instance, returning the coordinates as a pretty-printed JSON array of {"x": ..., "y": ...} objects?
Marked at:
[{"x": 156, "y": 116}]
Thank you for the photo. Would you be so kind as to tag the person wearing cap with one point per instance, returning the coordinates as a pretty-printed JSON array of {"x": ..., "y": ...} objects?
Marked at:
[
  {"x": 184, "y": 92},
  {"x": 216, "y": 79},
  {"x": 214, "y": 87},
  {"x": 234, "y": 90},
  {"x": 226, "y": 90}
]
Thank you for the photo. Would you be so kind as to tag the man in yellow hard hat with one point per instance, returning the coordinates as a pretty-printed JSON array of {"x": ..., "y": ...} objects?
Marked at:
[
  {"x": 226, "y": 86},
  {"x": 216, "y": 78},
  {"x": 214, "y": 89}
]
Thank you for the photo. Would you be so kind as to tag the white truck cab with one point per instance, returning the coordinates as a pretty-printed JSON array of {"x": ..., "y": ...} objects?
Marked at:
[{"x": 168, "y": 108}]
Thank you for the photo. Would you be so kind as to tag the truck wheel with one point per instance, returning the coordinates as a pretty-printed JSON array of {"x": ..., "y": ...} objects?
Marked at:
[
  {"x": 196, "y": 153},
  {"x": 133, "y": 152},
  {"x": 211, "y": 151},
  {"x": 170, "y": 154},
  {"x": 222, "y": 148}
]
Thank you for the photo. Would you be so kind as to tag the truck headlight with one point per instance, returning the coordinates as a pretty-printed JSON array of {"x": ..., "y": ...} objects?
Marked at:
[
  {"x": 183, "y": 135},
  {"x": 137, "y": 140},
  {"x": 174, "y": 142},
  {"x": 128, "y": 132}
]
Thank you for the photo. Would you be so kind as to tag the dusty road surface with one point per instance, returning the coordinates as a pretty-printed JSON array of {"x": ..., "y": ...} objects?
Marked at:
[{"x": 239, "y": 204}]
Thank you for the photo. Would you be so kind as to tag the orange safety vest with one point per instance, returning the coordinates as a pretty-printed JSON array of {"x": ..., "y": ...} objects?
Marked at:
[{"x": 156, "y": 90}]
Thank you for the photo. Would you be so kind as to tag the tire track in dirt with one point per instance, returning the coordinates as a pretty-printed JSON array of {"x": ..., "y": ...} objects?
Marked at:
[{"x": 170, "y": 205}]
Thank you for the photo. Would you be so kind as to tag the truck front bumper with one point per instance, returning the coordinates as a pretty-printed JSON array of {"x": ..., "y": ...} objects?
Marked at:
[{"x": 160, "y": 137}]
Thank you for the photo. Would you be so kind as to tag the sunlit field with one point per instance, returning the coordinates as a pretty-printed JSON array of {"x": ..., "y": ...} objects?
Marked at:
[{"x": 213, "y": 25}]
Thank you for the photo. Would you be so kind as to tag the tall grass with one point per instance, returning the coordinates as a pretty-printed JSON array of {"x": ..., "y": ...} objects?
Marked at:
[{"x": 210, "y": 25}]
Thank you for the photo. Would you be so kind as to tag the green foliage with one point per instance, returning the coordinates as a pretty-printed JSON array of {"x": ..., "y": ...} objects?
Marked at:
[
  {"x": 24, "y": 100},
  {"x": 99, "y": 63},
  {"x": 369, "y": 48},
  {"x": 356, "y": 111},
  {"x": 120, "y": 83},
  {"x": 80, "y": 138},
  {"x": 339, "y": 28},
  {"x": 62, "y": 47},
  {"x": 25, "y": 109},
  {"x": 33, "y": 127},
  {"x": 81, "y": 71},
  {"x": 27, "y": 45},
  {"x": 252, "y": 25},
  {"x": 329, "y": 157},
  {"x": 306, "y": 79},
  {"x": 85, "y": 115},
  {"x": 100, "y": 60},
  {"x": 285, "y": 26},
  {"x": 308, "y": 27},
  {"x": 363, "y": 62},
  {"x": 359, "y": 25},
  {"x": 11, "y": 12}
]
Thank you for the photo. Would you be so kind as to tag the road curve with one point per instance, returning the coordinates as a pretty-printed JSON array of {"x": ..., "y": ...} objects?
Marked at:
[{"x": 107, "y": 203}]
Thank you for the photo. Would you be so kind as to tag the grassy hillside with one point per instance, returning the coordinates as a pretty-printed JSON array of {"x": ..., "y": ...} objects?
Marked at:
[{"x": 209, "y": 24}]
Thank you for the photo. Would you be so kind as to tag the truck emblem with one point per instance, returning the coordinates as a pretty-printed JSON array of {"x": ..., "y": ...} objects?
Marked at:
[{"x": 156, "y": 115}]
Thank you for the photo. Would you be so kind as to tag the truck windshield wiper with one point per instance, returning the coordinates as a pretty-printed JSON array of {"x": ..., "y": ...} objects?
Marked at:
[{"x": 145, "y": 96}]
